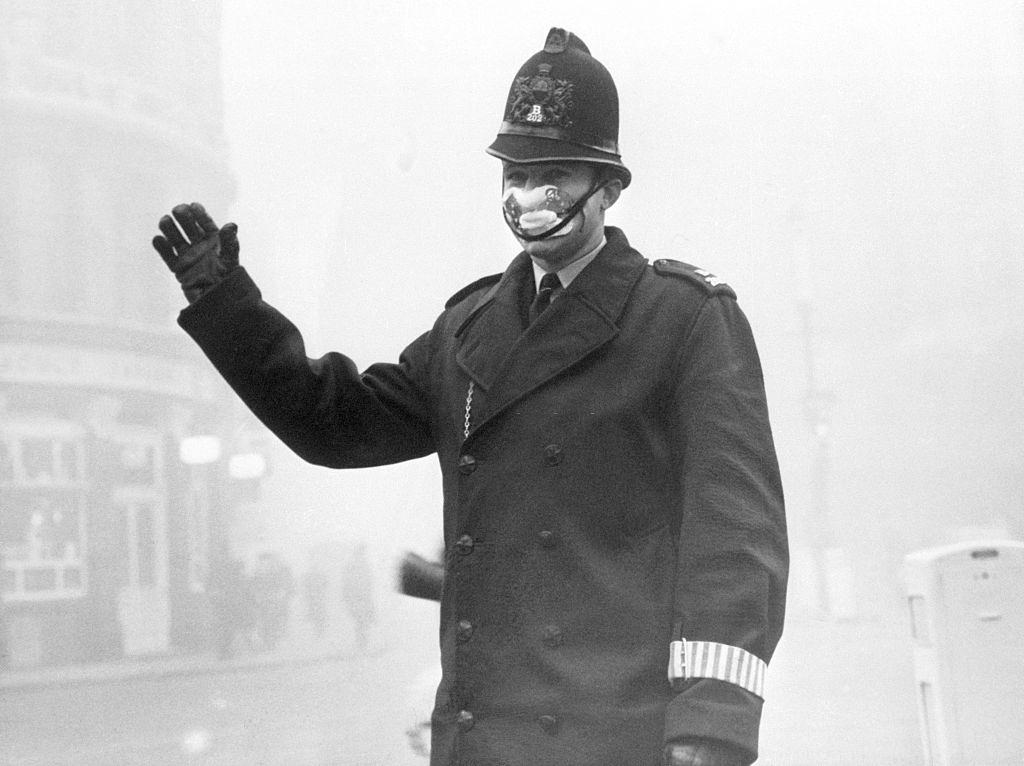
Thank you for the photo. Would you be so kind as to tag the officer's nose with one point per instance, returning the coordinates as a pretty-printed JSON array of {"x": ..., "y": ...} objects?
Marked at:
[{"x": 532, "y": 181}]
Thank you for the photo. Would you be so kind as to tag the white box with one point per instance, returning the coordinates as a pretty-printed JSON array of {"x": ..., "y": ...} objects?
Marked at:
[{"x": 967, "y": 619}]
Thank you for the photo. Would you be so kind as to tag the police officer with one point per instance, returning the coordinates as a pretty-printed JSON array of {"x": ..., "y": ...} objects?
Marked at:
[{"x": 612, "y": 498}]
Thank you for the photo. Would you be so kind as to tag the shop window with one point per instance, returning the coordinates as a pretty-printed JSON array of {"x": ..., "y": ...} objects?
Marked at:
[
  {"x": 37, "y": 460},
  {"x": 40, "y": 580},
  {"x": 70, "y": 464},
  {"x": 138, "y": 464},
  {"x": 139, "y": 500},
  {"x": 42, "y": 512}
]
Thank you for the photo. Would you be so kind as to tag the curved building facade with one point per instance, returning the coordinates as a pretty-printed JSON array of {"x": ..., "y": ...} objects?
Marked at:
[{"x": 107, "y": 527}]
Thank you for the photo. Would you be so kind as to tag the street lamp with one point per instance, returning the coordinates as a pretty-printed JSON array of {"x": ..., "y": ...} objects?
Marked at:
[
  {"x": 247, "y": 465},
  {"x": 199, "y": 450}
]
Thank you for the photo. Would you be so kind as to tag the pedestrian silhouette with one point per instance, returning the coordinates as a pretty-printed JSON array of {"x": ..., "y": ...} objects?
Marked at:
[
  {"x": 228, "y": 595},
  {"x": 357, "y": 593},
  {"x": 314, "y": 589},
  {"x": 273, "y": 588}
]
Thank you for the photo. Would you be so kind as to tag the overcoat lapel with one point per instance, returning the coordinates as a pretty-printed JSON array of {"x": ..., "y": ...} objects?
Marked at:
[
  {"x": 494, "y": 326},
  {"x": 508, "y": 362}
]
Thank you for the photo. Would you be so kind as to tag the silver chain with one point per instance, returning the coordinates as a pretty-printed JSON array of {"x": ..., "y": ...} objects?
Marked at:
[{"x": 469, "y": 409}]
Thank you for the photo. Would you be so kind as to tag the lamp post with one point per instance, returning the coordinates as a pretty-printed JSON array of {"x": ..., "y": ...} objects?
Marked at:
[{"x": 834, "y": 580}]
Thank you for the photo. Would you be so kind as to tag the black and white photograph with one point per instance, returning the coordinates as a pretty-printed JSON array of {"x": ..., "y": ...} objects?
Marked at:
[{"x": 511, "y": 384}]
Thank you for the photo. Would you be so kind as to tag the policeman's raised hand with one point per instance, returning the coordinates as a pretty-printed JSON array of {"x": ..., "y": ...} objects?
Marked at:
[
  {"x": 199, "y": 253},
  {"x": 701, "y": 752}
]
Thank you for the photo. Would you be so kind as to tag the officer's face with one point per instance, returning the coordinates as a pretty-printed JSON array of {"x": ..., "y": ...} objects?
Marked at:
[{"x": 574, "y": 180}]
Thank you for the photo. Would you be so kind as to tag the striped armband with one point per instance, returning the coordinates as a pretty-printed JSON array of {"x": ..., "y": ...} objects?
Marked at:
[{"x": 708, "y": 659}]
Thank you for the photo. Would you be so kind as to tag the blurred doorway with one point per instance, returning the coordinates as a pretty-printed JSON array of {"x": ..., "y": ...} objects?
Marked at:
[{"x": 144, "y": 599}]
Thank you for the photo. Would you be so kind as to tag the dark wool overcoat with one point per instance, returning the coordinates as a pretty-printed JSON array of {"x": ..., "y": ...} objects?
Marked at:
[{"x": 617, "y": 489}]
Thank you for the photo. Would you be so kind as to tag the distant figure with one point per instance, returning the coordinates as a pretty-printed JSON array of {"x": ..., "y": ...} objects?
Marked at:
[
  {"x": 357, "y": 593},
  {"x": 229, "y": 604},
  {"x": 314, "y": 590},
  {"x": 272, "y": 588},
  {"x": 420, "y": 577}
]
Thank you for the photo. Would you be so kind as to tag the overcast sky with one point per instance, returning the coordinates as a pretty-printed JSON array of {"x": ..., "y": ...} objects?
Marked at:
[{"x": 857, "y": 164}]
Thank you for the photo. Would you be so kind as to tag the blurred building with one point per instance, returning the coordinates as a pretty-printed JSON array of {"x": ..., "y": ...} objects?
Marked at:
[{"x": 110, "y": 510}]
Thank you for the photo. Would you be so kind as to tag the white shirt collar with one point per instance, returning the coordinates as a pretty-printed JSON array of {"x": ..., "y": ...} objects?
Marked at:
[{"x": 567, "y": 274}]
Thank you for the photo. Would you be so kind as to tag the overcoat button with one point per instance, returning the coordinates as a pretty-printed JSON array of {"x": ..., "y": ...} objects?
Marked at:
[
  {"x": 465, "y": 720},
  {"x": 552, "y": 636},
  {"x": 552, "y": 454},
  {"x": 548, "y": 723},
  {"x": 467, "y": 464},
  {"x": 547, "y": 538},
  {"x": 464, "y": 545},
  {"x": 465, "y": 630}
]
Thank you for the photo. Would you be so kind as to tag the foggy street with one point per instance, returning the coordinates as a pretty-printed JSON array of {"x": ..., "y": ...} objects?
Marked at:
[
  {"x": 342, "y": 711},
  {"x": 848, "y": 682},
  {"x": 181, "y": 586}
]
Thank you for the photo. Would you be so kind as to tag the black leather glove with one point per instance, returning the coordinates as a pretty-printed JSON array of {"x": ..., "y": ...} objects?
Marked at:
[
  {"x": 704, "y": 752},
  {"x": 199, "y": 254}
]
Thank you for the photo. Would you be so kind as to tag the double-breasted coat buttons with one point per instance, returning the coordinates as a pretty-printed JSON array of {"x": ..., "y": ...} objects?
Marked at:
[
  {"x": 464, "y": 545},
  {"x": 465, "y": 720},
  {"x": 553, "y": 455},
  {"x": 548, "y": 723},
  {"x": 552, "y": 636}
]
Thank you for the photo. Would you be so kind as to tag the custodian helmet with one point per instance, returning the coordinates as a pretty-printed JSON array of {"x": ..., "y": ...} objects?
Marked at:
[{"x": 562, "y": 106}]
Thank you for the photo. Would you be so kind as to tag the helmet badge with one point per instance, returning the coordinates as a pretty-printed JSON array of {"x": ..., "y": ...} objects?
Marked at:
[{"x": 541, "y": 99}]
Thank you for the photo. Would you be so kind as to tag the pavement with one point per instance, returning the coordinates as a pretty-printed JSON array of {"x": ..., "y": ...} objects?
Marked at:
[
  {"x": 163, "y": 665},
  {"x": 298, "y": 645},
  {"x": 840, "y": 692}
]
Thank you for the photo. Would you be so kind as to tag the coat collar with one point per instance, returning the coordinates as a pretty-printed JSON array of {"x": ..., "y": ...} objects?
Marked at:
[{"x": 508, "y": 362}]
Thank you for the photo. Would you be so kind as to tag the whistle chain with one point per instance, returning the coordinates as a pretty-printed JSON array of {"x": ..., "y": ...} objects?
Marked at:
[{"x": 469, "y": 409}]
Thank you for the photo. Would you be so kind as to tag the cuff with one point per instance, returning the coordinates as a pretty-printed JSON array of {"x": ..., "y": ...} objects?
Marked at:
[
  {"x": 717, "y": 710},
  {"x": 235, "y": 288},
  {"x": 223, "y": 320}
]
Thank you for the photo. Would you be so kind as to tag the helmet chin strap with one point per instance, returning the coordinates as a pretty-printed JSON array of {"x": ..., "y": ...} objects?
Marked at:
[{"x": 569, "y": 215}]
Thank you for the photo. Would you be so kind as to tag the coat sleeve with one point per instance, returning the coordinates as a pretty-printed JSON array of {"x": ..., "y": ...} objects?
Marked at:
[
  {"x": 323, "y": 409},
  {"x": 733, "y": 556}
]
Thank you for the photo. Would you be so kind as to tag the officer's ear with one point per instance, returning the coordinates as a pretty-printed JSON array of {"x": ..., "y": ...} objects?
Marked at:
[{"x": 610, "y": 191}]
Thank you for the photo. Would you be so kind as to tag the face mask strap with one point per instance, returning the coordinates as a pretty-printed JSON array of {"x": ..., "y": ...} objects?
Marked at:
[{"x": 569, "y": 215}]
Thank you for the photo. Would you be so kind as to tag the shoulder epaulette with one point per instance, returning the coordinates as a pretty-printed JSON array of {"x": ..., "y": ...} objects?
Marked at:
[
  {"x": 666, "y": 267},
  {"x": 470, "y": 288}
]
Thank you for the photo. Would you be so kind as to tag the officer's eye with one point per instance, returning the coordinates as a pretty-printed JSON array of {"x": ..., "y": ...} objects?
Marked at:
[
  {"x": 515, "y": 178},
  {"x": 556, "y": 176}
]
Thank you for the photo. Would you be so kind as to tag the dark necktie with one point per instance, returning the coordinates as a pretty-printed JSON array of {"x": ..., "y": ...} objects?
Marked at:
[{"x": 548, "y": 283}]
